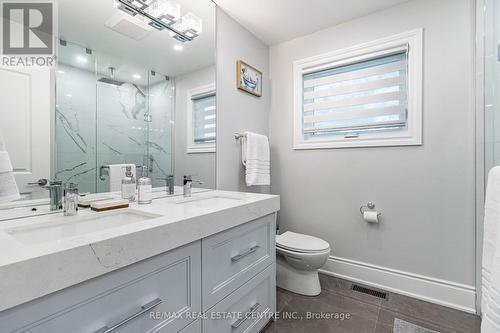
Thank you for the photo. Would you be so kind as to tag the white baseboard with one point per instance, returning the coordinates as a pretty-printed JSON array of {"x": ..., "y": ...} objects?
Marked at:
[{"x": 454, "y": 295}]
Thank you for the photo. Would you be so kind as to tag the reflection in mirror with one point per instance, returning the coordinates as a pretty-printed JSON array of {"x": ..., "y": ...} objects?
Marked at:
[
  {"x": 196, "y": 125},
  {"x": 126, "y": 90},
  {"x": 107, "y": 114}
]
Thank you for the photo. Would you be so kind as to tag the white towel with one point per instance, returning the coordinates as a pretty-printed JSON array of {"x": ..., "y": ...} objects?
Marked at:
[
  {"x": 256, "y": 158},
  {"x": 8, "y": 187},
  {"x": 116, "y": 174},
  {"x": 490, "y": 305}
]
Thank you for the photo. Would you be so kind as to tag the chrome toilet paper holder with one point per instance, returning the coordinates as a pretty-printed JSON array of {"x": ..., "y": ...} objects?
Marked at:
[{"x": 369, "y": 206}]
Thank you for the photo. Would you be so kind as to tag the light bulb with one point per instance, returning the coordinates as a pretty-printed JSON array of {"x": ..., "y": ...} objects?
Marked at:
[
  {"x": 165, "y": 10},
  {"x": 191, "y": 24},
  {"x": 172, "y": 10}
]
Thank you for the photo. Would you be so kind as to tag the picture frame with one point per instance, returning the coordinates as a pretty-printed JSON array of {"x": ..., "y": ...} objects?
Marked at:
[{"x": 248, "y": 78}]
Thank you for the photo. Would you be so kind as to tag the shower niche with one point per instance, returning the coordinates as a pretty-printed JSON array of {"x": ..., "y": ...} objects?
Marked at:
[{"x": 109, "y": 111}]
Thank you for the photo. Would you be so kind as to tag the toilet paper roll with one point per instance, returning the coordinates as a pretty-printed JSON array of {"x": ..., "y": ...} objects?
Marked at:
[{"x": 371, "y": 216}]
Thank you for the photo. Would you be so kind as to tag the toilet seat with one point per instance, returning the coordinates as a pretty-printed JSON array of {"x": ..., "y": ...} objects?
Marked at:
[{"x": 296, "y": 242}]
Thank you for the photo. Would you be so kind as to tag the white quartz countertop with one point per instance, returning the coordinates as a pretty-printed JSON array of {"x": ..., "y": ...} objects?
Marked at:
[{"x": 29, "y": 270}]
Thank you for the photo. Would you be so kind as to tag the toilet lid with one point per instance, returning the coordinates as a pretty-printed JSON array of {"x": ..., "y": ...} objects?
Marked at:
[{"x": 300, "y": 242}]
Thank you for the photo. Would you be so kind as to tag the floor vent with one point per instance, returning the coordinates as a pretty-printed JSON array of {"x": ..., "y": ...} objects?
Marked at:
[{"x": 368, "y": 291}]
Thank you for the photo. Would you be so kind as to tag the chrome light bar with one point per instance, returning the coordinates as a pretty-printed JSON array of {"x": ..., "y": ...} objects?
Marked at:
[{"x": 138, "y": 7}]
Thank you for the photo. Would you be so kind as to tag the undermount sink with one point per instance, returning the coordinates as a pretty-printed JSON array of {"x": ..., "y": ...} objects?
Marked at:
[
  {"x": 64, "y": 227},
  {"x": 209, "y": 200}
]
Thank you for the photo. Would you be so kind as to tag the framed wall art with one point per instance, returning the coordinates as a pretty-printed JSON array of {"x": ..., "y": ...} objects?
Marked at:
[{"x": 248, "y": 78}]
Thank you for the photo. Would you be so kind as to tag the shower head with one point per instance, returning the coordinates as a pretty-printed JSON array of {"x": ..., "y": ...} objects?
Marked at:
[{"x": 111, "y": 79}]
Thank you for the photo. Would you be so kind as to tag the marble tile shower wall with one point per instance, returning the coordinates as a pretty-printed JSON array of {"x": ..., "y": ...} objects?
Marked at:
[
  {"x": 75, "y": 130},
  {"x": 100, "y": 124}
]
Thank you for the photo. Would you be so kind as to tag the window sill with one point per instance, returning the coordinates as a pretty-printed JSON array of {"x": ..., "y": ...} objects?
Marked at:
[
  {"x": 200, "y": 150},
  {"x": 357, "y": 143}
]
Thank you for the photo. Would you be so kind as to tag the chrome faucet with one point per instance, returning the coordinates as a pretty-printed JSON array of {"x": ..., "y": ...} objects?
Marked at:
[
  {"x": 169, "y": 186},
  {"x": 55, "y": 193},
  {"x": 188, "y": 184}
]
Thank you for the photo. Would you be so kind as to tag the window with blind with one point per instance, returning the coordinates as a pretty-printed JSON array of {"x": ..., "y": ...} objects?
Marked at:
[
  {"x": 202, "y": 120},
  {"x": 360, "y": 98}
]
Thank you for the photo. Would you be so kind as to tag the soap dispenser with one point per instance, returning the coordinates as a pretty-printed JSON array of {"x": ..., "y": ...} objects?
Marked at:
[
  {"x": 128, "y": 185},
  {"x": 70, "y": 207},
  {"x": 144, "y": 188}
]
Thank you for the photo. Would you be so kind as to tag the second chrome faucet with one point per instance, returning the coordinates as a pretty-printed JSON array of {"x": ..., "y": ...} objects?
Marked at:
[{"x": 188, "y": 184}]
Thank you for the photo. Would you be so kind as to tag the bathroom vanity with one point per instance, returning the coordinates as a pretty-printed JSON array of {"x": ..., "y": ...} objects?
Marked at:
[{"x": 205, "y": 263}]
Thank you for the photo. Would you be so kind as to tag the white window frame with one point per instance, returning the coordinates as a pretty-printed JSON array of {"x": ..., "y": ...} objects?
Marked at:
[
  {"x": 192, "y": 147},
  {"x": 410, "y": 40}
]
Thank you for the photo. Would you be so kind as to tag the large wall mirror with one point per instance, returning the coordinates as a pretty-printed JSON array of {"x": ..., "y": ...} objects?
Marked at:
[{"x": 125, "y": 90}]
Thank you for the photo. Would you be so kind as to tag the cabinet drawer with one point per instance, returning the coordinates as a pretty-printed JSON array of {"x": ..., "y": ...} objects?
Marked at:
[
  {"x": 194, "y": 327},
  {"x": 250, "y": 307},
  {"x": 168, "y": 283},
  {"x": 233, "y": 257}
]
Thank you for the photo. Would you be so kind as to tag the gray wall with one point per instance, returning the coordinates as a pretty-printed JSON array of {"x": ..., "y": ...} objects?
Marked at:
[
  {"x": 237, "y": 111},
  {"x": 200, "y": 164},
  {"x": 425, "y": 193}
]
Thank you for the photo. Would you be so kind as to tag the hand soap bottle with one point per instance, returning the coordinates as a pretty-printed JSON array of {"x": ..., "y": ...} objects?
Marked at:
[
  {"x": 128, "y": 185},
  {"x": 144, "y": 188},
  {"x": 70, "y": 199}
]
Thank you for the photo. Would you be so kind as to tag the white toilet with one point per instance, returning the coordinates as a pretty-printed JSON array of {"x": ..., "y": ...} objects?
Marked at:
[{"x": 297, "y": 262}]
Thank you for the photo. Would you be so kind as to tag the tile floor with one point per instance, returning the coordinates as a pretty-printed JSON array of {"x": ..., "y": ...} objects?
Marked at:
[{"x": 368, "y": 314}]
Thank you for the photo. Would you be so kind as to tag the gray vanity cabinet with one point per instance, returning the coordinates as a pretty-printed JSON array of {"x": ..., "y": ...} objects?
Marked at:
[
  {"x": 239, "y": 277},
  {"x": 234, "y": 256},
  {"x": 250, "y": 307},
  {"x": 194, "y": 327},
  {"x": 232, "y": 271},
  {"x": 167, "y": 283}
]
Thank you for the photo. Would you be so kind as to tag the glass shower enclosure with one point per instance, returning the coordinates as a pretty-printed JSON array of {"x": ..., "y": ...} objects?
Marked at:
[{"x": 109, "y": 112}]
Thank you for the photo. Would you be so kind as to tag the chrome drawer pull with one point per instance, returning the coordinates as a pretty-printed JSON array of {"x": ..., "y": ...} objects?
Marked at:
[
  {"x": 145, "y": 308},
  {"x": 244, "y": 254},
  {"x": 240, "y": 321}
]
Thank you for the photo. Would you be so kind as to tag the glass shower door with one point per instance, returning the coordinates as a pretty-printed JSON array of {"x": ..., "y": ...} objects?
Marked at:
[
  {"x": 110, "y": 113},
  {"x": 75, "y": 115},
  {"x": 160, "y": 127},
  {"x": 134, "y": 114},
  {"x": 122, "y": 104}
]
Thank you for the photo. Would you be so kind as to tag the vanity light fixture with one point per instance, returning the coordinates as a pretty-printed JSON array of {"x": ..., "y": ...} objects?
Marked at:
[
  {"x": 190, "y": 24},
  {"x": 164, "y": 14}
]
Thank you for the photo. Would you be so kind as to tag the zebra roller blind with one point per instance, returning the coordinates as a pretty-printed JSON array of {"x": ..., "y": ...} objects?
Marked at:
[
  {"x": 204, "y": 118},
  {"x": 349, "y": 100}
]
